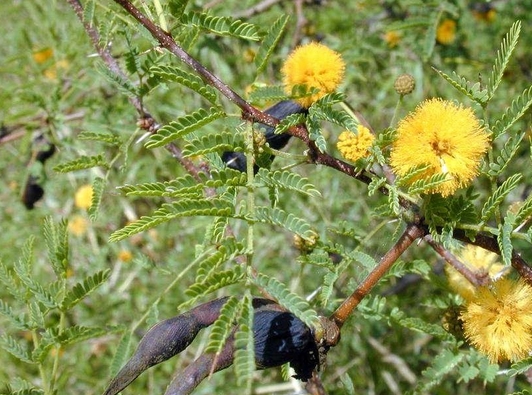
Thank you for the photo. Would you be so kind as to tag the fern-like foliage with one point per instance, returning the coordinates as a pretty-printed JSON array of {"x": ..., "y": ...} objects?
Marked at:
[
  {"x": 223, "y": 26},
  {"x": 524, "y": 212},
  {"x": 220, "y": 142},
  {"x": 326, "y": 113},
  {"x": 192, "y": 81},
  {"x": 261, "y": 94},
  {"x": 286, "y": 180},
  {"x": 183, "y": 126},
  {"x": 289, "y": 300},
  {"x": 82, "y": 163},
  {"x": 289, "y": 221},
  {"x": 289, "y": 121},
  {"x": 495, "y": 200},
  {"x": 443, "y": 364},
  {"x": 513, "y": 113},
  {"x": 123, "y": 85},
  {"x": 245, "y": 345},
  {"x": 214, "y": 207},
  {"x": 56, "y": 237},
  {"x": 473, "y": 91},
  {"x": 270, "y": 41},
  {"x": 98, "y": 187},
  {"x": 504, "y": 238},
  {"x": 186, "y": 186},
  {"x": 214, "y": 281},
  {"x": 503, "y": 57},
  {"x": 82, "y": 289},
  {"x": 505, "y": 156},
  {"x": 106, "y": 138},
  {"x": 223, "y": 326},
  {"x": 424, "y": 185}
]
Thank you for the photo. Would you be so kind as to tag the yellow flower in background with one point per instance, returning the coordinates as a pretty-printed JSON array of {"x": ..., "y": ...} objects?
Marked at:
[
  {"x": 498, "y": 321},
  {"x": 83, "y": 197},
  {"x": 43, "y": 55},
  {"x": 315, "y": 66},
  {"x": 444, "y": 137},
  {"x": 392, "y": 38},
  {"x": 125, "y": 256},
  {"x": 478, "y": 260},
  {"x": 354, "y": 146},
  {"x": 78, "y": 225},
  {"x": 446, "y": 32},
  {"x": 52, "y": 71}
]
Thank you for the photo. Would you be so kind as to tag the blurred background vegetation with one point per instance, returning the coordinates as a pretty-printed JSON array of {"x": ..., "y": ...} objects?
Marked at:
[{"x": 52, "y": 87}]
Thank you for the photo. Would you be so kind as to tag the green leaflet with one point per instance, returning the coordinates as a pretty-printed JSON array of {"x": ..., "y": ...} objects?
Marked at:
[
  {"x": 289, "y": 221},
  {"x": 503, "y": 57},
  {"x": 214, "y": 281},
  {"x": 290, "y": 301},
  {"x": 223, "y": 326},
  {"x": 507, "y": 153},
  {"x": 286, "y": 180},
  {"x": 270, "y": 42},
  {"x": 56, "y": 237},
  {"x": 245, "y": 345},
  {"x": 192, "y": 81},
  {"x": 462, "y": 85},
  {"x": 220, "y": 142},
  {"x": 82, "y": 163},
  {"x": 513, "y": 113},
  {"x": 84, "y": 288},
  {"x": 495, "y": 200},
  {"x": 223, "y": 26},
  {"x": 183, "y": 126},
  {"x": 192, "y": 207}
]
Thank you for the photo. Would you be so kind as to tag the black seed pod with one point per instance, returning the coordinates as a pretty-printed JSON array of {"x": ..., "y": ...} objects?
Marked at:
[
  {"x": 237, "y": 160},
  {"x": 32, "y": 193},
  {"x": 281, "y": 337}
]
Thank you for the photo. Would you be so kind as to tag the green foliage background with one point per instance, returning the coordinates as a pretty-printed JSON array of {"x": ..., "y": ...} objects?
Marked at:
[{"x": 392, "y": 344}]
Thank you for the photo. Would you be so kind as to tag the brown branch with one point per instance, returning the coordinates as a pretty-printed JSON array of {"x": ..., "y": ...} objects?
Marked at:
[
  {"x": 411, "y": 233},
  {"x": 471, "y": 276},
  {"x": 490, "y": 243}
]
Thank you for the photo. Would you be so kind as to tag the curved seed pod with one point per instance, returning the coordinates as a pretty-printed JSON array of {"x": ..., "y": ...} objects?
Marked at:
[
  {"x": 164, "y": 340},
  {"x": 187, "y": 380},
  {"x": 237, "y": 160}
]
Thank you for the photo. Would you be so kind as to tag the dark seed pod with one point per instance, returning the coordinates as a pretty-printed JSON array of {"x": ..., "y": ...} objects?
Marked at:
[
  {"x": 45, "y": 153},
  {"x": 164, "y": 340},
  {"x": 237, "y": 160},
  {"x": 281, "y": 337},
  {"x": 32, "y": 193}
]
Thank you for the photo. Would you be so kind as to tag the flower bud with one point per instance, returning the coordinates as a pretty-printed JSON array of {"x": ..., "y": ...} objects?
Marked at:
[{"x": 404, "y": 84}]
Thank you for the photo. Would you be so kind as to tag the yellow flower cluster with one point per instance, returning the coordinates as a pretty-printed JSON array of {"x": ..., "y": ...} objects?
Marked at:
[
  {"x": 354, "y": 146},
  {"x": 446, "y": 32},
  {"x": 443, "y": 137},
  {"x": 78, "y": 225},
  {"x": 498, "y": 320},
  {"x": 477, "y": 259},
  {"x": 313, "y": 66},
  {"x": 83, "y": 196}
]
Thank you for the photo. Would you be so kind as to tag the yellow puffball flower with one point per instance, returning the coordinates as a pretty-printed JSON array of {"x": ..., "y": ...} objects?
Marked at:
[
  {"x": 477, "y": 259},
  {"x": 42, "y": 55},
  {"x": 314, "y": 66},
  {"x": 498, "y": 321},
  {"x": 83, "y": 197},
  {"x": 125, "y": 256},
  {"x": 78, "y": 225},
  {"x": 392, "y": 38},
  {"x": 354, "y": 146},
  {"x": 446, "y": 32},
  {"x": 443, "y": 137}
]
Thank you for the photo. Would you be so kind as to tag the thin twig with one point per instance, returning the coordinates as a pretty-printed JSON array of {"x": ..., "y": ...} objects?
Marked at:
[
  {"x": 474, "y": 278},
  {"x": 411, "y": 233}
]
